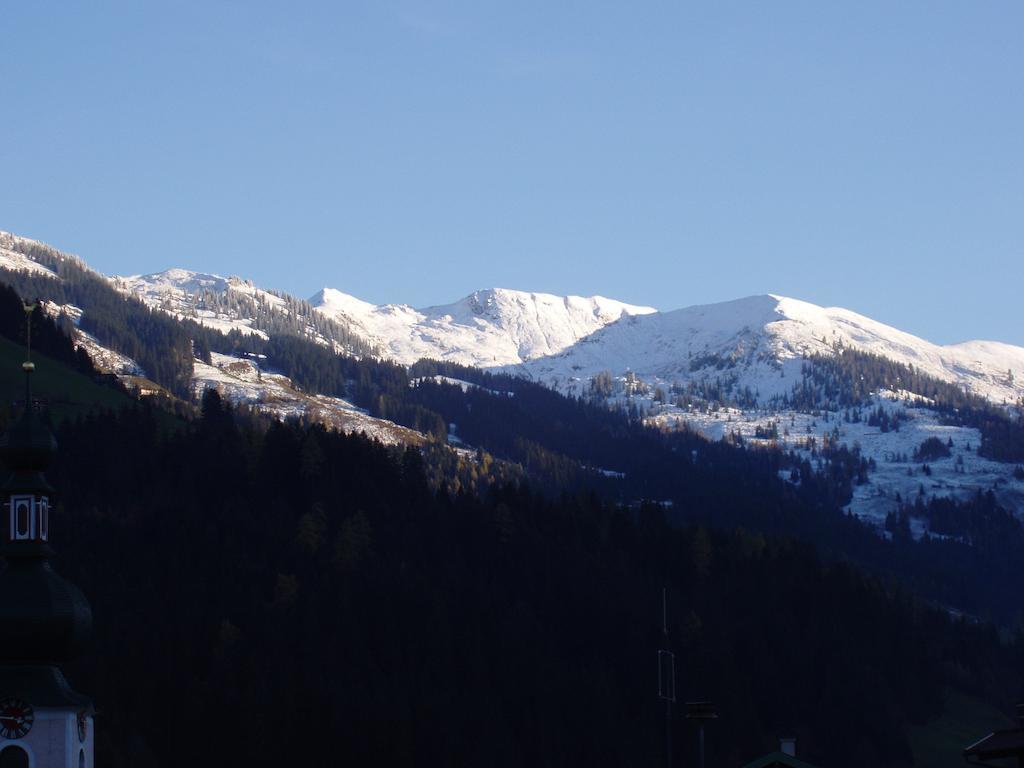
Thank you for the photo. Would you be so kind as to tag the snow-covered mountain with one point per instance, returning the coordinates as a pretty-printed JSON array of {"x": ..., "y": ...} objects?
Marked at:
[
  {"x": 750, "y": 353},
  {"x": 563, "y": 341},
  {"x": 486, "y": 329},
  {"x": 760, "y": 340}
]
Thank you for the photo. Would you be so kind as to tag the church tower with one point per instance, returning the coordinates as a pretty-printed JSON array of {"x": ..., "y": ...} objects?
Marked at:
[{"x": 44, "y": 620}]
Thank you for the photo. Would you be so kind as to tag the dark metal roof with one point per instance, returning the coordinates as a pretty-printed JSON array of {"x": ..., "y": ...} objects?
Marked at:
[
  {"x": 1009, "y": 743},
  {"x": 778, "y": 758},
  {"x": 41, "y": 686},
  {"x": 43, "y": 618}
]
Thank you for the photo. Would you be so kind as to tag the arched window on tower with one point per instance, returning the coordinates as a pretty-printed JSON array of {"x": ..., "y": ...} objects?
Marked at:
[
  {"x": 13, "y": 757},
  {"x": 21, "y": 518}
]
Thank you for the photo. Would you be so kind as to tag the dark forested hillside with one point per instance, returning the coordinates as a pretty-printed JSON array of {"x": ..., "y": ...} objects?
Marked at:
[
  {"x": 303, "y": 589},
  {"x": 305, "y": 593},
  {"x": 160, "y": 344},
  {"x": 570, "y": 445}
]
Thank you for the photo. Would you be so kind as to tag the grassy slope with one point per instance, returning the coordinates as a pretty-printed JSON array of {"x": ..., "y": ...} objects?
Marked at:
[{"x": 68, "y": 392}]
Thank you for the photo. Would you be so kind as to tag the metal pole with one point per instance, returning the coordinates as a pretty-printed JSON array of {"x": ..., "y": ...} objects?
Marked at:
[
  {"x": 27, "y": 367},
  {"x": 668, "y": 733},
  {"x": 668, "y": 699},
  {"x": 700, "y": 746}
]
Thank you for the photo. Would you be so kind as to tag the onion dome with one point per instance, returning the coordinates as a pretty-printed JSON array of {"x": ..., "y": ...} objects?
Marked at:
[{"x": 43, "y": 618}]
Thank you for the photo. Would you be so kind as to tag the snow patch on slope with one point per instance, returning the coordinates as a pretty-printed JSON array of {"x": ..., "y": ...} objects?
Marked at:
[
  {"x": 895, "y": 478},
  {"x": 19, "y": 262},
  {"x": 104, "y": 359},
  {"x": 17, "y": 256},
  {"x": 241, "y": 381},
  {"x": 179, "y": 293}
]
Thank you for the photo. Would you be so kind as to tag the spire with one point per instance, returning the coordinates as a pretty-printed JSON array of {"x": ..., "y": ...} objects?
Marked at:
[
  {"x": 28, "y": 366},
  {"x": 43, "y": 618},
  {"x": 27, "y": 450}
]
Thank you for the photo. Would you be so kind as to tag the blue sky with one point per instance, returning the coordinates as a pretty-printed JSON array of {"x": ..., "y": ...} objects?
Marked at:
[{"x": 868, "y": 155}]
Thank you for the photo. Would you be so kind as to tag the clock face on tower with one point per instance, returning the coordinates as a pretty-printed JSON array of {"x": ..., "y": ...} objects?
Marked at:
[{"x": 16, "y": 718}]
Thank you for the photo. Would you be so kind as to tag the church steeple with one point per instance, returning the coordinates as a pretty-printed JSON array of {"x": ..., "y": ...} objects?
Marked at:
[
  {"x": 44, "y": 620},
  {"x": 28, "y": 450}
]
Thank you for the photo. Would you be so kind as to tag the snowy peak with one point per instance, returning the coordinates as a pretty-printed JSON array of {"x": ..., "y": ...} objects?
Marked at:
[
  {"x": 502, "y": 305},
  {"x": 751, "y": 340},
  {"x": 334, "y": 301},
  {"x": 488, "y": 328},
  {"x": 985, "y": 367}
]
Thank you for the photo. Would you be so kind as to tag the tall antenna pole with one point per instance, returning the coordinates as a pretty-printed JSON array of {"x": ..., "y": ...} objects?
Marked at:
[
  {"x": 702, "y": 712},
  {"x": 666, "y": 677},
  {"x": 668, "y": 700},
  {"x": 665, "y": 613}
]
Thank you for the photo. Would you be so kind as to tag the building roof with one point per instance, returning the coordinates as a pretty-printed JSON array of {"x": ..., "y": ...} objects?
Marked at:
[
  {"x": 44, "y": 619},
  {"x": 778, "y": 758},
  {"x": 41, "y": 686},
  {"x": 1009, "y": 743}
]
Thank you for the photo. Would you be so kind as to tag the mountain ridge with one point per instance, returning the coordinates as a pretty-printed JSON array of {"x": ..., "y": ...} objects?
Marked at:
[
  {"x": 766, "y": 370},
  {"x": 487, "y": 328},
  {"x": 552, "y": 338},
  {"x": 564, "y": 341},
  {"x": 760, "y": 337},
  {"x": 480, "y": 330}
]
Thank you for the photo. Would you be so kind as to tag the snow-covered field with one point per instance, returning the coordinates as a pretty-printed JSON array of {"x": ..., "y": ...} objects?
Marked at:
[{"x": 896, "y": 476}]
